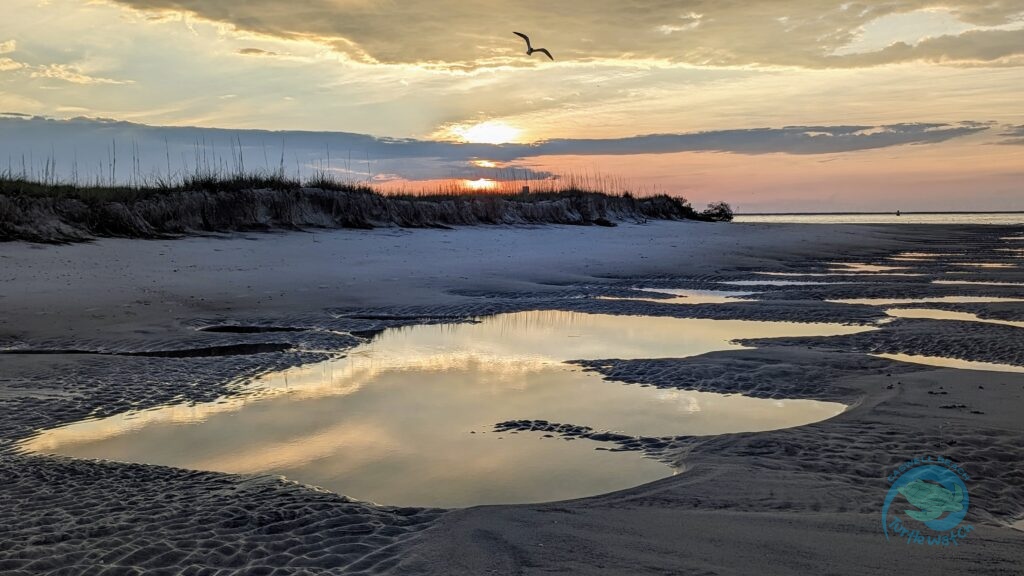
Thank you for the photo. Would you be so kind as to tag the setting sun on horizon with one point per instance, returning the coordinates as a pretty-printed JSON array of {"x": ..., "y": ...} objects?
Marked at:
[
  {"x": 480, "y": 184},
  {"x": 488, "y": 132}
]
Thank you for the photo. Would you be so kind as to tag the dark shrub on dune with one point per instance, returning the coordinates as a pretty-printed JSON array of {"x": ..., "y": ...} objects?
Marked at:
[{"x": 718, "y": 212}]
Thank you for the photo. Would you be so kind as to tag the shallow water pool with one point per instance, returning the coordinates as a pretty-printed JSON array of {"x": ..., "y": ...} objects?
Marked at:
[
  {"x": 861, "y": 267},
  {"x": 934, "y": 314},
  {"x": 782, "y": 282},
  {"x": 687, "y": 296},
  {"x": 408, "y": 418},
  {"x": 950, "y": 299},
  {"x": 945, "y": 362}
]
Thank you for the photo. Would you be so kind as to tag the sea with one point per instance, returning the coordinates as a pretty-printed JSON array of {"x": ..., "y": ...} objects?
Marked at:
[{"x": 998, "y": 218}]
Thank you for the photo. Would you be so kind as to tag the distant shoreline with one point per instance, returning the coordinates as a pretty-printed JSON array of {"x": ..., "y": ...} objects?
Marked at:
[{"x": 893, "y": 213}]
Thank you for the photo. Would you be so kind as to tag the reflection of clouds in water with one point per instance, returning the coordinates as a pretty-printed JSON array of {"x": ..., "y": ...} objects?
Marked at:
[
  {"x": 503, "y": 349},
  {"x": 408, "y": 417},
  {"x": 686, "y": 401},
  {"x": 362, "y": 442}
]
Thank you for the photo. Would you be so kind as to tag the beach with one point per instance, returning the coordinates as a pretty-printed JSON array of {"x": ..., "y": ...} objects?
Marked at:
[{"x": 96, "y": 329}]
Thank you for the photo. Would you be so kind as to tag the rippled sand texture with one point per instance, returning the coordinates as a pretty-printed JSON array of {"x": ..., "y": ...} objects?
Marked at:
[{"x": 112, "y": 327}]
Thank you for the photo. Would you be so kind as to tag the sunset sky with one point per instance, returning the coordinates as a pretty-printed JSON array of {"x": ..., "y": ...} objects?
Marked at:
[{"x": 779, "y": 105}]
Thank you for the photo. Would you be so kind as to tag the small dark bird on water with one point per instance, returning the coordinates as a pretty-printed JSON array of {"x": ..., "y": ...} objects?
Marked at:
[{"x": 530, "y": 49}]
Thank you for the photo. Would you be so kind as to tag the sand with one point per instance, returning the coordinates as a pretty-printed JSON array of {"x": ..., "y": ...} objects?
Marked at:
[{"x": 796, "y": 501}]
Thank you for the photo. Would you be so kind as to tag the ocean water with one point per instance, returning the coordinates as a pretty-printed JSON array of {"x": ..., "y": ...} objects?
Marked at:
[{"x": 1000, "y": 218}]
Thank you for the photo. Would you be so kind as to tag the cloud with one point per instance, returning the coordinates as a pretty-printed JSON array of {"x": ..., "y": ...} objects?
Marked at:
[
  {"x": 91, "y": 142},
  {"x": 7, "y": 65},
  {"x": 257, "y": 52},
  {"x": 788, "y": 140},
  {"x": 8, "y": 46},
  {"x": 976, "y": 46},
  {"x": 1014, "y": 134},
  {"x": 686, "y": 22},
  {"x": 455, "y": 33},
  {"x": 71, "y": 74}
]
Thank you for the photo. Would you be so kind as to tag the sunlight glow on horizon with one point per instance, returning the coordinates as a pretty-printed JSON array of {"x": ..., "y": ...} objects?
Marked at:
[
  {"x": 488, "y": 132},
  {"x": 480, "y": 184}
]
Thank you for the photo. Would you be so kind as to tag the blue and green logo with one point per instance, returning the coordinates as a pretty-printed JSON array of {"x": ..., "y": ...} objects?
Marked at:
[{"x": 927, "y": 503}]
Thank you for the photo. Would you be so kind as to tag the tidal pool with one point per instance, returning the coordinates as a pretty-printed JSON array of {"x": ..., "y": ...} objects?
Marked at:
[
  {"x": 985, "y": 264},
  {"x": 978, "y": 282},
  {"x": 825, "y": 274},
  {"x": 686, "y": 296},
  {"x": 925, "y": 254},
  {"x": 864, "y": 268},
  {"x": 945, "y": 362},
  {"x": 782, "y": 282},
  {"x": 951, "y": 299},
  {"x": 408, "y": 418},
  {"x": 933, "y": 314}
]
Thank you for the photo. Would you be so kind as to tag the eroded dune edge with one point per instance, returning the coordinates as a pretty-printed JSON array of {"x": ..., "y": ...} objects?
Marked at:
[{"x": 162, "y": 214}]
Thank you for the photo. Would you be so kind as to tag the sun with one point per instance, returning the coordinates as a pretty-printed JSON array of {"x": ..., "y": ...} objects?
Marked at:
[
  {"x": 489, "y": 132},
  {"x": 480, "y": 184}
]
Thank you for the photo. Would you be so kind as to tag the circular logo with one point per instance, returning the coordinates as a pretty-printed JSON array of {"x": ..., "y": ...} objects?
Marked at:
[{"x": 926, "y": 503}]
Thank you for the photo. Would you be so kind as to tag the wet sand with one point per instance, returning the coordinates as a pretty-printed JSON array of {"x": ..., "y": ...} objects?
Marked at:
[{"x": 795, "y": 501}]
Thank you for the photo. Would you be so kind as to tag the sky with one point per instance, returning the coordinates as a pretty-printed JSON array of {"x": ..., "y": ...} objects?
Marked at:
[{"x": 774, "y": 105}]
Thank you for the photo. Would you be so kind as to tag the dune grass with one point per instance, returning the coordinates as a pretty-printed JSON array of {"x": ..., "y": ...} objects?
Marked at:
[{"x": 51, "y": 211}]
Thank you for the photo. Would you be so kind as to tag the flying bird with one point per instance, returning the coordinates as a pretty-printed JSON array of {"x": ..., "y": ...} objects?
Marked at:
[{"x": 530, "y": 49}]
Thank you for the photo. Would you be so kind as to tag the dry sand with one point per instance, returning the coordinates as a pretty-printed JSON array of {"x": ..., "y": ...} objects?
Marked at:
[{"x": 797, "y": 501}]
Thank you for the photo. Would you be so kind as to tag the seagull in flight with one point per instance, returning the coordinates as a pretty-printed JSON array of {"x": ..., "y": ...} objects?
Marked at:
[{"x": 530, "y": 49}]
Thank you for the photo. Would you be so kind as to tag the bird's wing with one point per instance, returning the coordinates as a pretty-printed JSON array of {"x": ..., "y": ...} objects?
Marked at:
[
  {"x": 545, "y": 51},
  {"x": 524, "y": 37}
]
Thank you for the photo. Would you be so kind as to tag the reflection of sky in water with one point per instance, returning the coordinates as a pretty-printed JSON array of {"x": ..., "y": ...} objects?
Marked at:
[
  {"x": 408, "y": 417},
  {"x": 921, "y": 257},
  {"x": 944, "y": 362},
  {"x": 933, "y": 314},
  {"x": 924, "y": 254},
  {"x": 781, "y": 282},
  {"x": 687, "y": 296},
  {"x": 985, "y": 264},
  {"x": 863, "y": 267},
  {"x": 978, "y": 282},
  {"x": 891, "y": 218},
  {"x": 952, "y": 299},
  {"x": 861, "y": 274}
]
